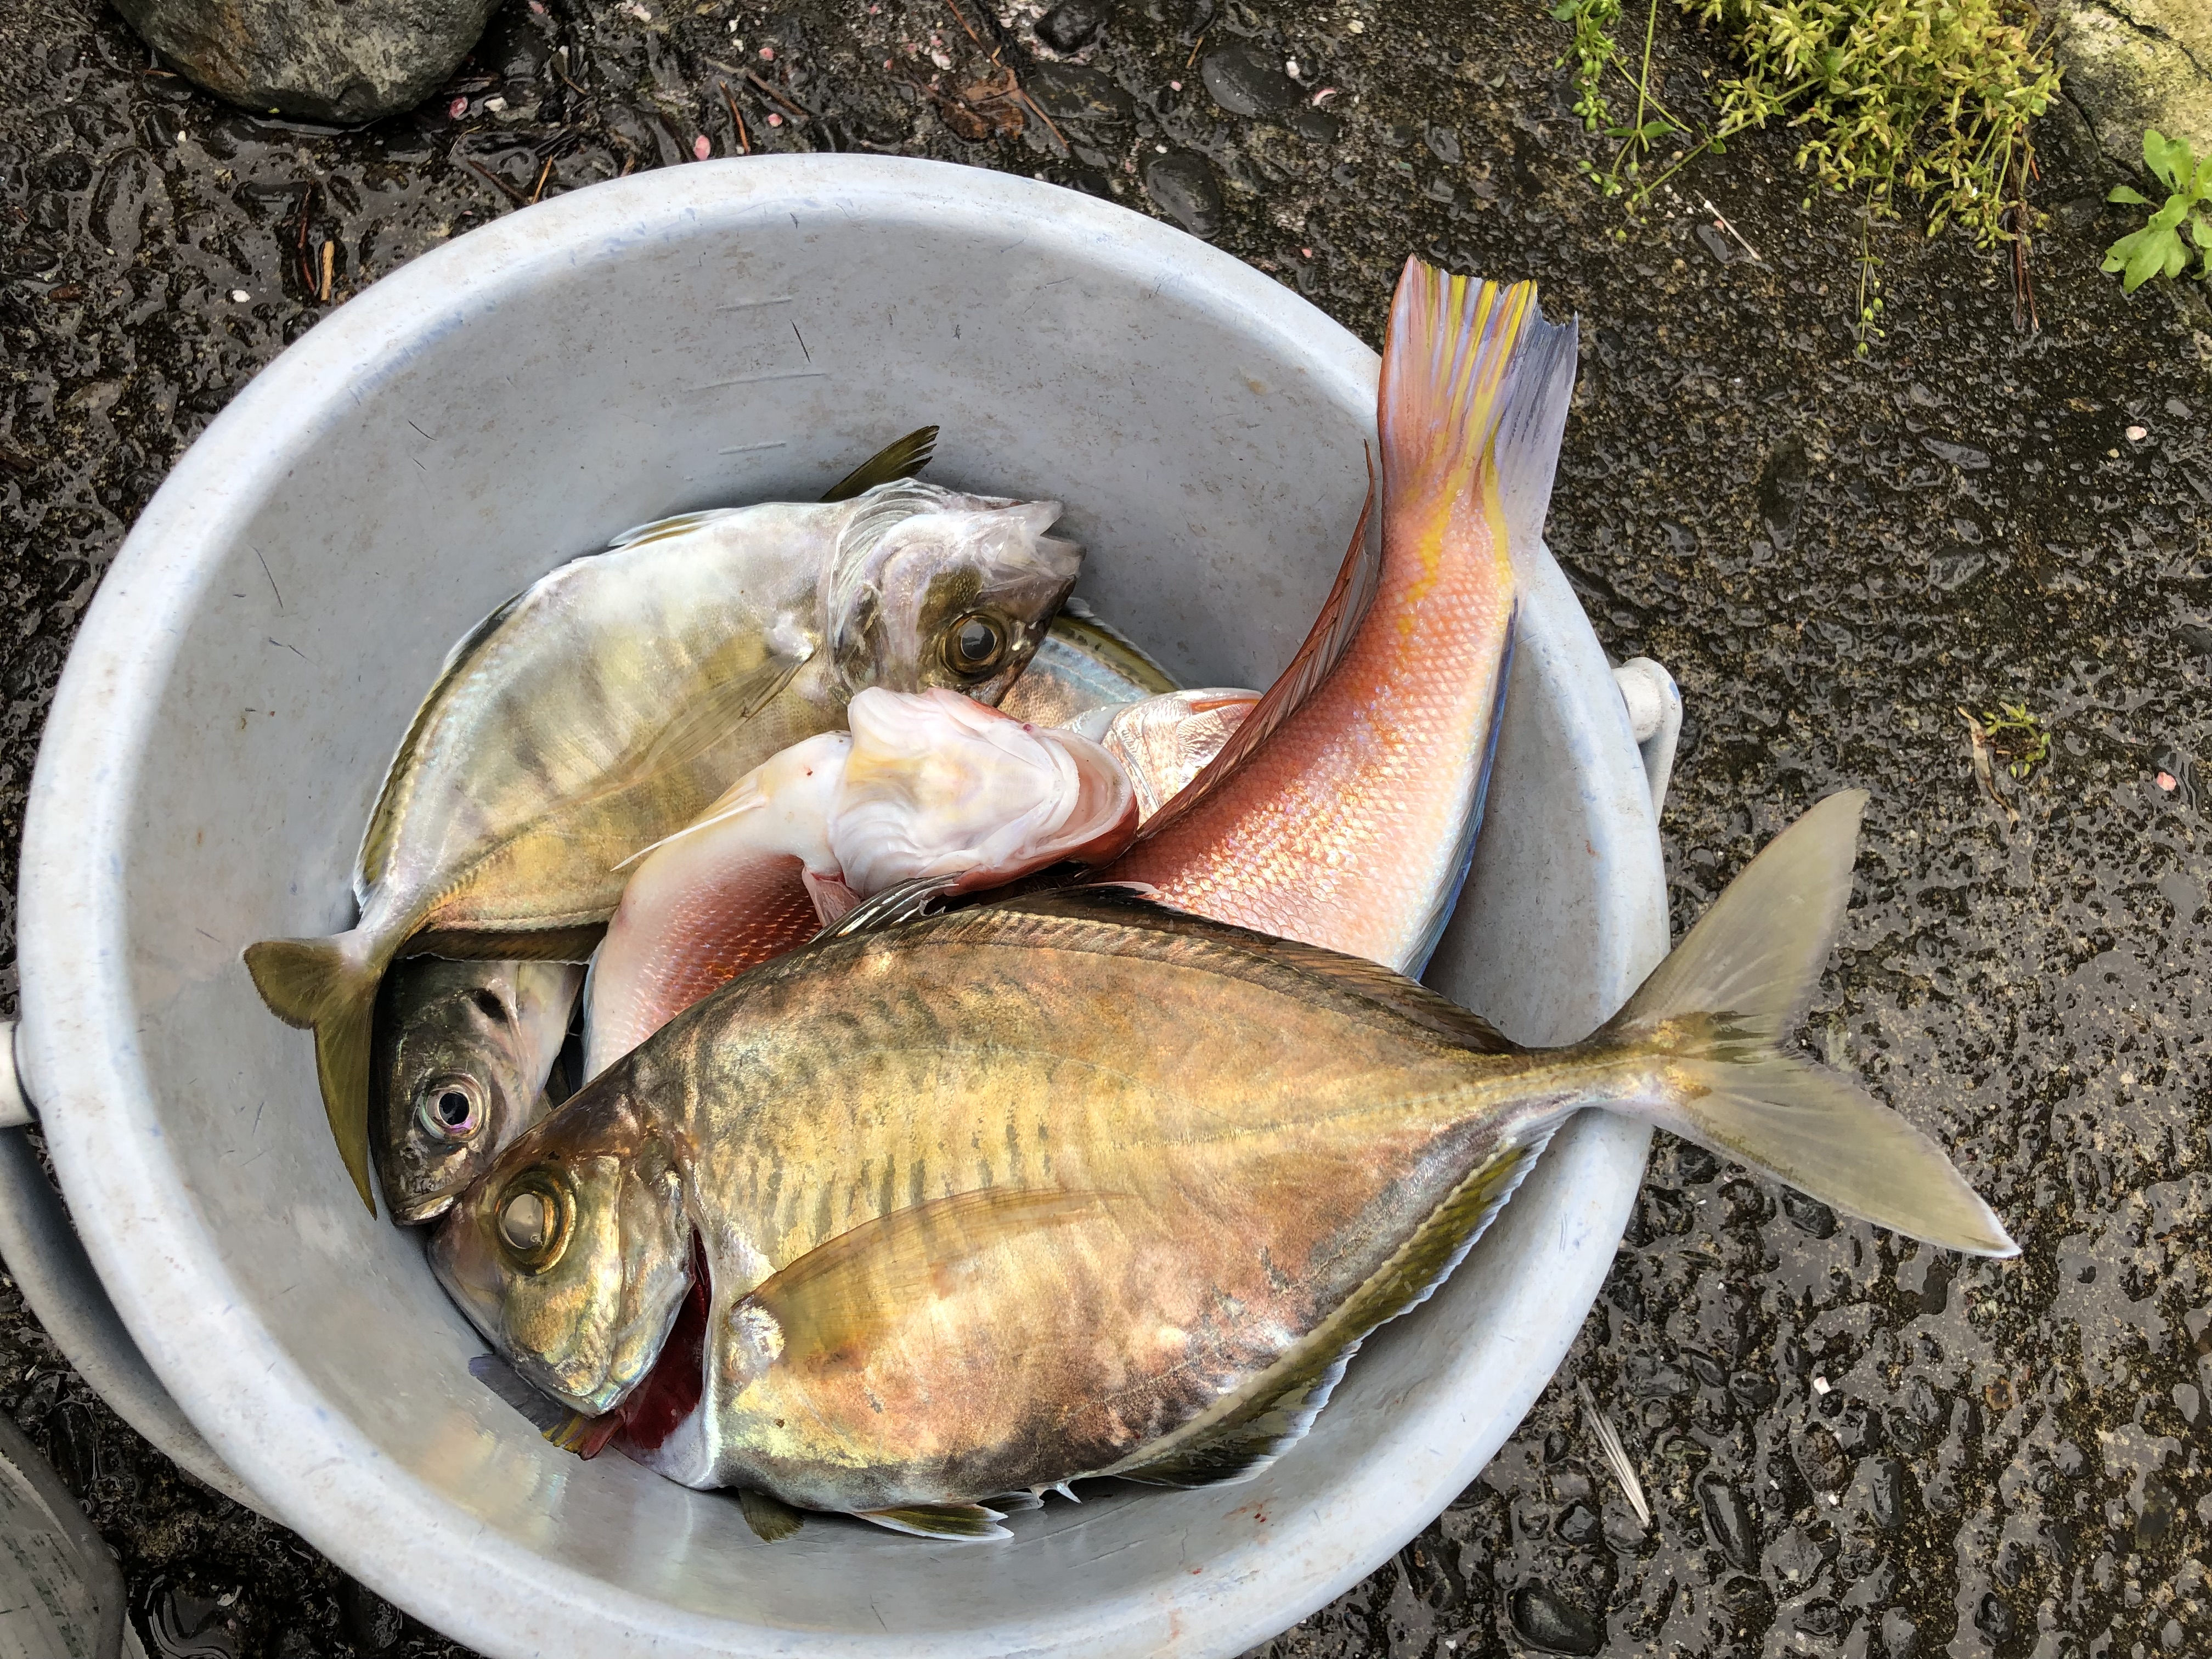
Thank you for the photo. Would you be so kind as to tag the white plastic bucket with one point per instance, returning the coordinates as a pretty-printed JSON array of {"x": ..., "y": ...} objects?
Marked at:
[{"x": 707, "y": 334}]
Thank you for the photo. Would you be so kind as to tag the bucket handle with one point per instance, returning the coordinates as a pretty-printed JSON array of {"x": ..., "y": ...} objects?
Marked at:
[
  {"x": 49, "y": 1265},
  {"x": 1654, "y": 719}
]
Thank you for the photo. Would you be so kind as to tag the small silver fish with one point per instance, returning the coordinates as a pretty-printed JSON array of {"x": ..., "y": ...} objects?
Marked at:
[
  {"x": 1083, "y": 663},
  {"x": 463, "y": 1052}
]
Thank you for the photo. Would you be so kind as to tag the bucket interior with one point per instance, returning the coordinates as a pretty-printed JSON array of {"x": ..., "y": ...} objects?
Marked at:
[{"x": 718, "y": 334}]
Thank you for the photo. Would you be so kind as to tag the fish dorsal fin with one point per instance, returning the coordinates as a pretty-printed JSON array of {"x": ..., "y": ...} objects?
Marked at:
[
  {"x": 771, "y": 1519},
  {"x": 841, "y": 1295},
  {"x": 1128, "y": 906},
  {"x": 391, "y": 806},
  {"x": 900, "y": 459},
  {"x": 965, "y": 1524},
  {"x": 909, "y": 901},
  {"x": 1242, "y": 1434},
  {"x": 563, "y": 943},
  {"x": 661, "y": 530},
  {"x": 1341, "y": 613}
]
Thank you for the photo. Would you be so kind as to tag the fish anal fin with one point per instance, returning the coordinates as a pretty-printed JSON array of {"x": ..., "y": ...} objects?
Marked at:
[
  {"x": 1326, "y": 643},
  {"x": 1127, "y": 904},
  {"x": 901, "y": 458},
  {"x": 1244, "y": 1434},
  {"x": 391, "y": 799},
  {"x": 771, "y": 1519},
  {"x": 965, "y": 1524}
]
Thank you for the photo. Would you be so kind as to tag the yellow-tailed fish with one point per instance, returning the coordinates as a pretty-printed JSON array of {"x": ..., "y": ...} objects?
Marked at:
[
  {"x": 1344, "y": 813},
  {"x": 605, "y": 706},
  {"x": 925, "y": 784},
  {"x": 1085, "y": 663},
  {"x": 464, "y": 1053},
  {"x": 1076, "y": 1185}
]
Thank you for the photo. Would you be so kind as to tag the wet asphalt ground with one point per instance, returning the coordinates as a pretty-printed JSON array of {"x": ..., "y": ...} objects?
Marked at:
[{"x": 1854, "y": 1446}]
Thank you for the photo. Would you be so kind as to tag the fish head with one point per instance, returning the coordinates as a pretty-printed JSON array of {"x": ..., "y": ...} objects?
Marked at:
[
  {"x": 958, "y": 595},
  {"x": 573, "y": 1255},
  {"x": 463, "y": 1054},
  {"x": 938, "y": 785}
]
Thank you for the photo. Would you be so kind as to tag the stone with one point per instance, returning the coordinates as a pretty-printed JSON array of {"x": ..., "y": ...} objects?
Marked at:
[
  {"x": 1072, "y": 24},
  {"x": 346, "y": 61},
  {"x": 1182, "y": 186},
  {"x": 1244, "y": 82},
  {"x": 1552, "y": 1624},
  {"x": 1807, "y": 1215},
  {"x": 1074, "y": 92},
  {"x": 1729, "y": 1521},
  {"x": 1318, "y": 125},
  {"x": 2136, "y": 64}
]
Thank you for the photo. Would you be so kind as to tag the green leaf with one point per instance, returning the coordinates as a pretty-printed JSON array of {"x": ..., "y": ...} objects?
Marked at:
[
  {"x": 2200, "y": 231},
  {"x": 2128, "y": 193},
  {"x": 2169, "y": 158},
  {"x": 2146, "y": 259}
]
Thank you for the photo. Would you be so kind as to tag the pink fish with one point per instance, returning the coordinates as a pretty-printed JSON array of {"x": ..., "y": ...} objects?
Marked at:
[
  {"x": 925, "y": 784},
  {"x": 1343, "y": 812}
]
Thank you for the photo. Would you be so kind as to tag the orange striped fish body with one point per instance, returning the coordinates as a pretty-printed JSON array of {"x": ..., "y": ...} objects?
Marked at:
[{"x": 1351, "y": 824}]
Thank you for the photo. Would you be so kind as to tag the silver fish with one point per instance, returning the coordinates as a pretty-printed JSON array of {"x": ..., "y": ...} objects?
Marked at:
[
  {"x": 604, "y": 707},
  {"x": 464, "y": 1053},
  {"x": 1077, "y": 1185}
]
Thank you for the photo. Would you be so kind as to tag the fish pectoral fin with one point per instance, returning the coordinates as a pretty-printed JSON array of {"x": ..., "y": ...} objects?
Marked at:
[
  {"x": 1326, "y": 643},
  {"x": 901, "y": 458},
  {"x": 967, "y": 1523},
  {"x": 1278, "y": 1409},
  {"x": 771, "y": 1519},
  {"x": 909, "y": 901},
  {"x": 722, "y": 706},
  {"x": 1131, "y": 904},
  {"x": 839, "y": 1296}
]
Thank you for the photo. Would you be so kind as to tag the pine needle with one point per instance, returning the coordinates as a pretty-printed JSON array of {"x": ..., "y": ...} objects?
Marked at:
[{"x": 1616, "y": 1455}]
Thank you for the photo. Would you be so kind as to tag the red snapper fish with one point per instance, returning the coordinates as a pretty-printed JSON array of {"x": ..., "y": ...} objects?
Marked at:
[{"x": 1343, "y": 812}]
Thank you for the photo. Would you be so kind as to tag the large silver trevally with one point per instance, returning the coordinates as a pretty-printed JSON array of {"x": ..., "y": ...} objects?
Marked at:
[
  {"x": 464, "y": 1053},
  {"x": 1077, "y": 1185},
  {"x": 604, "y": 707}
]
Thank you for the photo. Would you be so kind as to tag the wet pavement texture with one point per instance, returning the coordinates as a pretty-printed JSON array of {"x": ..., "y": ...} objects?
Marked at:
[{"x": 1853, "y": 1445}]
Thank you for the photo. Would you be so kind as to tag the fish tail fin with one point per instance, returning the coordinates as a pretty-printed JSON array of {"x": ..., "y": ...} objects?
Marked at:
[
  {"x": 329, "y": 986},
  {"x": 1705, "y": 1031},
  {"x": 1474, "y": 396}
]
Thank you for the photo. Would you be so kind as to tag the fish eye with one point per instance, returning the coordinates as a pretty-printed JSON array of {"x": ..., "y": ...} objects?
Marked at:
[
  {"x": 975, "y": 644},
  {"x": 489, "y": 1005},
  {"x": 451, "y": 1107},
  {"x": 534, "y": 1214}
]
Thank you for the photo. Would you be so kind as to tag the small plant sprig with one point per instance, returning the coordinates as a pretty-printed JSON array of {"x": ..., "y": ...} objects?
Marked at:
[
  {"x": 2015, "y": 735},
  {"x": 2157, "y": 249}
]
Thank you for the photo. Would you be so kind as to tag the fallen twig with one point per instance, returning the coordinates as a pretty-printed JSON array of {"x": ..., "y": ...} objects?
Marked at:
[
  {"x": 330, "y": 268},
  {"x": 490, "y": 177},
  {"x": 538, "y": 190},
  {"x": 797, "y": 113},
  {"x": 745, "y": 138},
  {"x": 1721, "y": 220}
]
